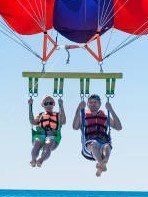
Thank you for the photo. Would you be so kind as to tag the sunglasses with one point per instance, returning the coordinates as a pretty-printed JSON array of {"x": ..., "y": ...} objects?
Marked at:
[{"x": 48, "y": 103}]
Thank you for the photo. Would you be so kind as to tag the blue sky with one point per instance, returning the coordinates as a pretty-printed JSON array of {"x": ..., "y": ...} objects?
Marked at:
[{"x": 67, "y": 169}]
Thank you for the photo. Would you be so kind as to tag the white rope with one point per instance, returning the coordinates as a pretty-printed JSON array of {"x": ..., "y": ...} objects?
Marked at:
[
  {"x": 104, "y": 14},
  {"x": 98, "y": 13},
  {"x": 37, "y": 12},
  {"x": 108, "y": 19},
  {"x": 109, "y": 41},
  {"x": 36, "y": 18},
  {"x": 7, "y": 31},
  {"x": 104, "y": 19},
  {"x": 42, "y": 15},
  {"x": 129, "y": 39}
]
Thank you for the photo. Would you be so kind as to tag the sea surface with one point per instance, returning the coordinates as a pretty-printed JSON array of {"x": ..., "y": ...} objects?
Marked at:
[{"x": 62, "y": 193}]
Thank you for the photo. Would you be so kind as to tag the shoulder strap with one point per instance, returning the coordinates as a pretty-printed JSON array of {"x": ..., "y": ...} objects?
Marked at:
[{"x": 83, "y": 120}]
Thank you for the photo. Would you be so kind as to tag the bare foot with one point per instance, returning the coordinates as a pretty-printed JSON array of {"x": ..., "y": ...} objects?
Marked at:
[
  {"x": 33, "y": 163},
  {"x": 99, "y": 170},
  {"x": 103, "y": 165},
  {"x": 39, "y": 162}
]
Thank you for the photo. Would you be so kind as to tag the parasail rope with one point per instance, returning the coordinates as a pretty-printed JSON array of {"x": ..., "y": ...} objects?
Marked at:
[
  {"x": 106, "y": 20},
  {"x": 109, "y": 41},
  {"x": 41, "y": 15},
  {"x": 103, "y": 15},
  {"x": 16, "y": 38},
  {"x": 128, "y": 40},
  {"x": 36, "y": 18},
  {"x": 44, "y": 13},
  {"x": 98, "y": 11}
]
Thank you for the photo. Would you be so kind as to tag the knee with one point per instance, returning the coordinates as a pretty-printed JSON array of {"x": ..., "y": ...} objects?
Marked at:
[
  {"x": 48, "y": 142},
  {"x": 37, "y": 141},
  {"x": 94, "y": 145},
  {"x": 106, "y": 150},
  {"x": 107, "y": 147}
]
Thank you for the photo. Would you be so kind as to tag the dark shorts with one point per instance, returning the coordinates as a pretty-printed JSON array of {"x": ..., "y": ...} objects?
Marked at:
[{"x": 86, "y": 153}]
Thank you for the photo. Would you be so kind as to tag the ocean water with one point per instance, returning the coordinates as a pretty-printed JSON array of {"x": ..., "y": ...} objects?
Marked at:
[{"x": 62, "y": 193}]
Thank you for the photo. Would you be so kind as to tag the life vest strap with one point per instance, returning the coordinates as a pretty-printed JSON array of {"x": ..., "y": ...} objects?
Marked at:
[
  {"x": 101, "y": 135},
  {"x": 97, "y": 116},
  {"x": 96, "y": 124}
]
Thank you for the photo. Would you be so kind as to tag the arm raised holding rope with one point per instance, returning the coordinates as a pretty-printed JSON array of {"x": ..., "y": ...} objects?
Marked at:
[
  {"x": 62, "y": 112},
  {"x": 32, "y": 120},
  {"x": 77, "y": 119},
  {"x": 114, "y": 121}
]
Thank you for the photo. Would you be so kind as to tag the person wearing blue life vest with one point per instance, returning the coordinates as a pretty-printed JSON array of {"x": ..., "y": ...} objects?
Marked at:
[{"x": 94, "y": 123}]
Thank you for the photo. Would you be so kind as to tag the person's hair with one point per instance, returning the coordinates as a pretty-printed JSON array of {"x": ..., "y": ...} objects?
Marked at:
[
  {"x": 46, "y": 98},
  {"x": 95, "y": 97}
]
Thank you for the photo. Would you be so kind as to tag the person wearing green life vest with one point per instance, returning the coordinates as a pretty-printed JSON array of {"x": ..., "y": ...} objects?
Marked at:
[{"x": 47, "y": 135}]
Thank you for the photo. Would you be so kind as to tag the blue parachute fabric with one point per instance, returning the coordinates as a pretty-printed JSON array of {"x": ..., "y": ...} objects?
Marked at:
[{"x": 79, "y": 20}]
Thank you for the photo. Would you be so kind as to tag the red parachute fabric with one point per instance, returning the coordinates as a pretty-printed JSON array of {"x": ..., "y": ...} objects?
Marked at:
[
  {"x": 24, "y": 16},
  {"x": 131, "y": 16}
]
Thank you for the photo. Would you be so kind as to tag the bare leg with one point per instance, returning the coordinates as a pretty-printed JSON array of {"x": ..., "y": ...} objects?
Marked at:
[
  {"x": 48, "y": 147},
  {"x": 35, "y": 151},
  {"x": 94, "y": 147},
  {"x": 105, "y": 154}
]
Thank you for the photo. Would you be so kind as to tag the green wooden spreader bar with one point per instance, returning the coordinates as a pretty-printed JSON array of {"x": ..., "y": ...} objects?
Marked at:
[{"x": 72, "y": 75}]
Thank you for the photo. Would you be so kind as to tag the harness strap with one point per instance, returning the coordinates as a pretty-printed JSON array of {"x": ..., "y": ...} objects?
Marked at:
[
  {"x": 108, "y": 122},
  {"x": 83, "y": 120},
  {"x": 31, "y": 107},
  {"x": 48, "y": 119}
]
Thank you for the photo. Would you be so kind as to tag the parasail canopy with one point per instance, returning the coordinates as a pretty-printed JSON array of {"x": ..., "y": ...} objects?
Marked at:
[
  {"x": 81, "y": 21},
  {"x": 76, "y": 20}
]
